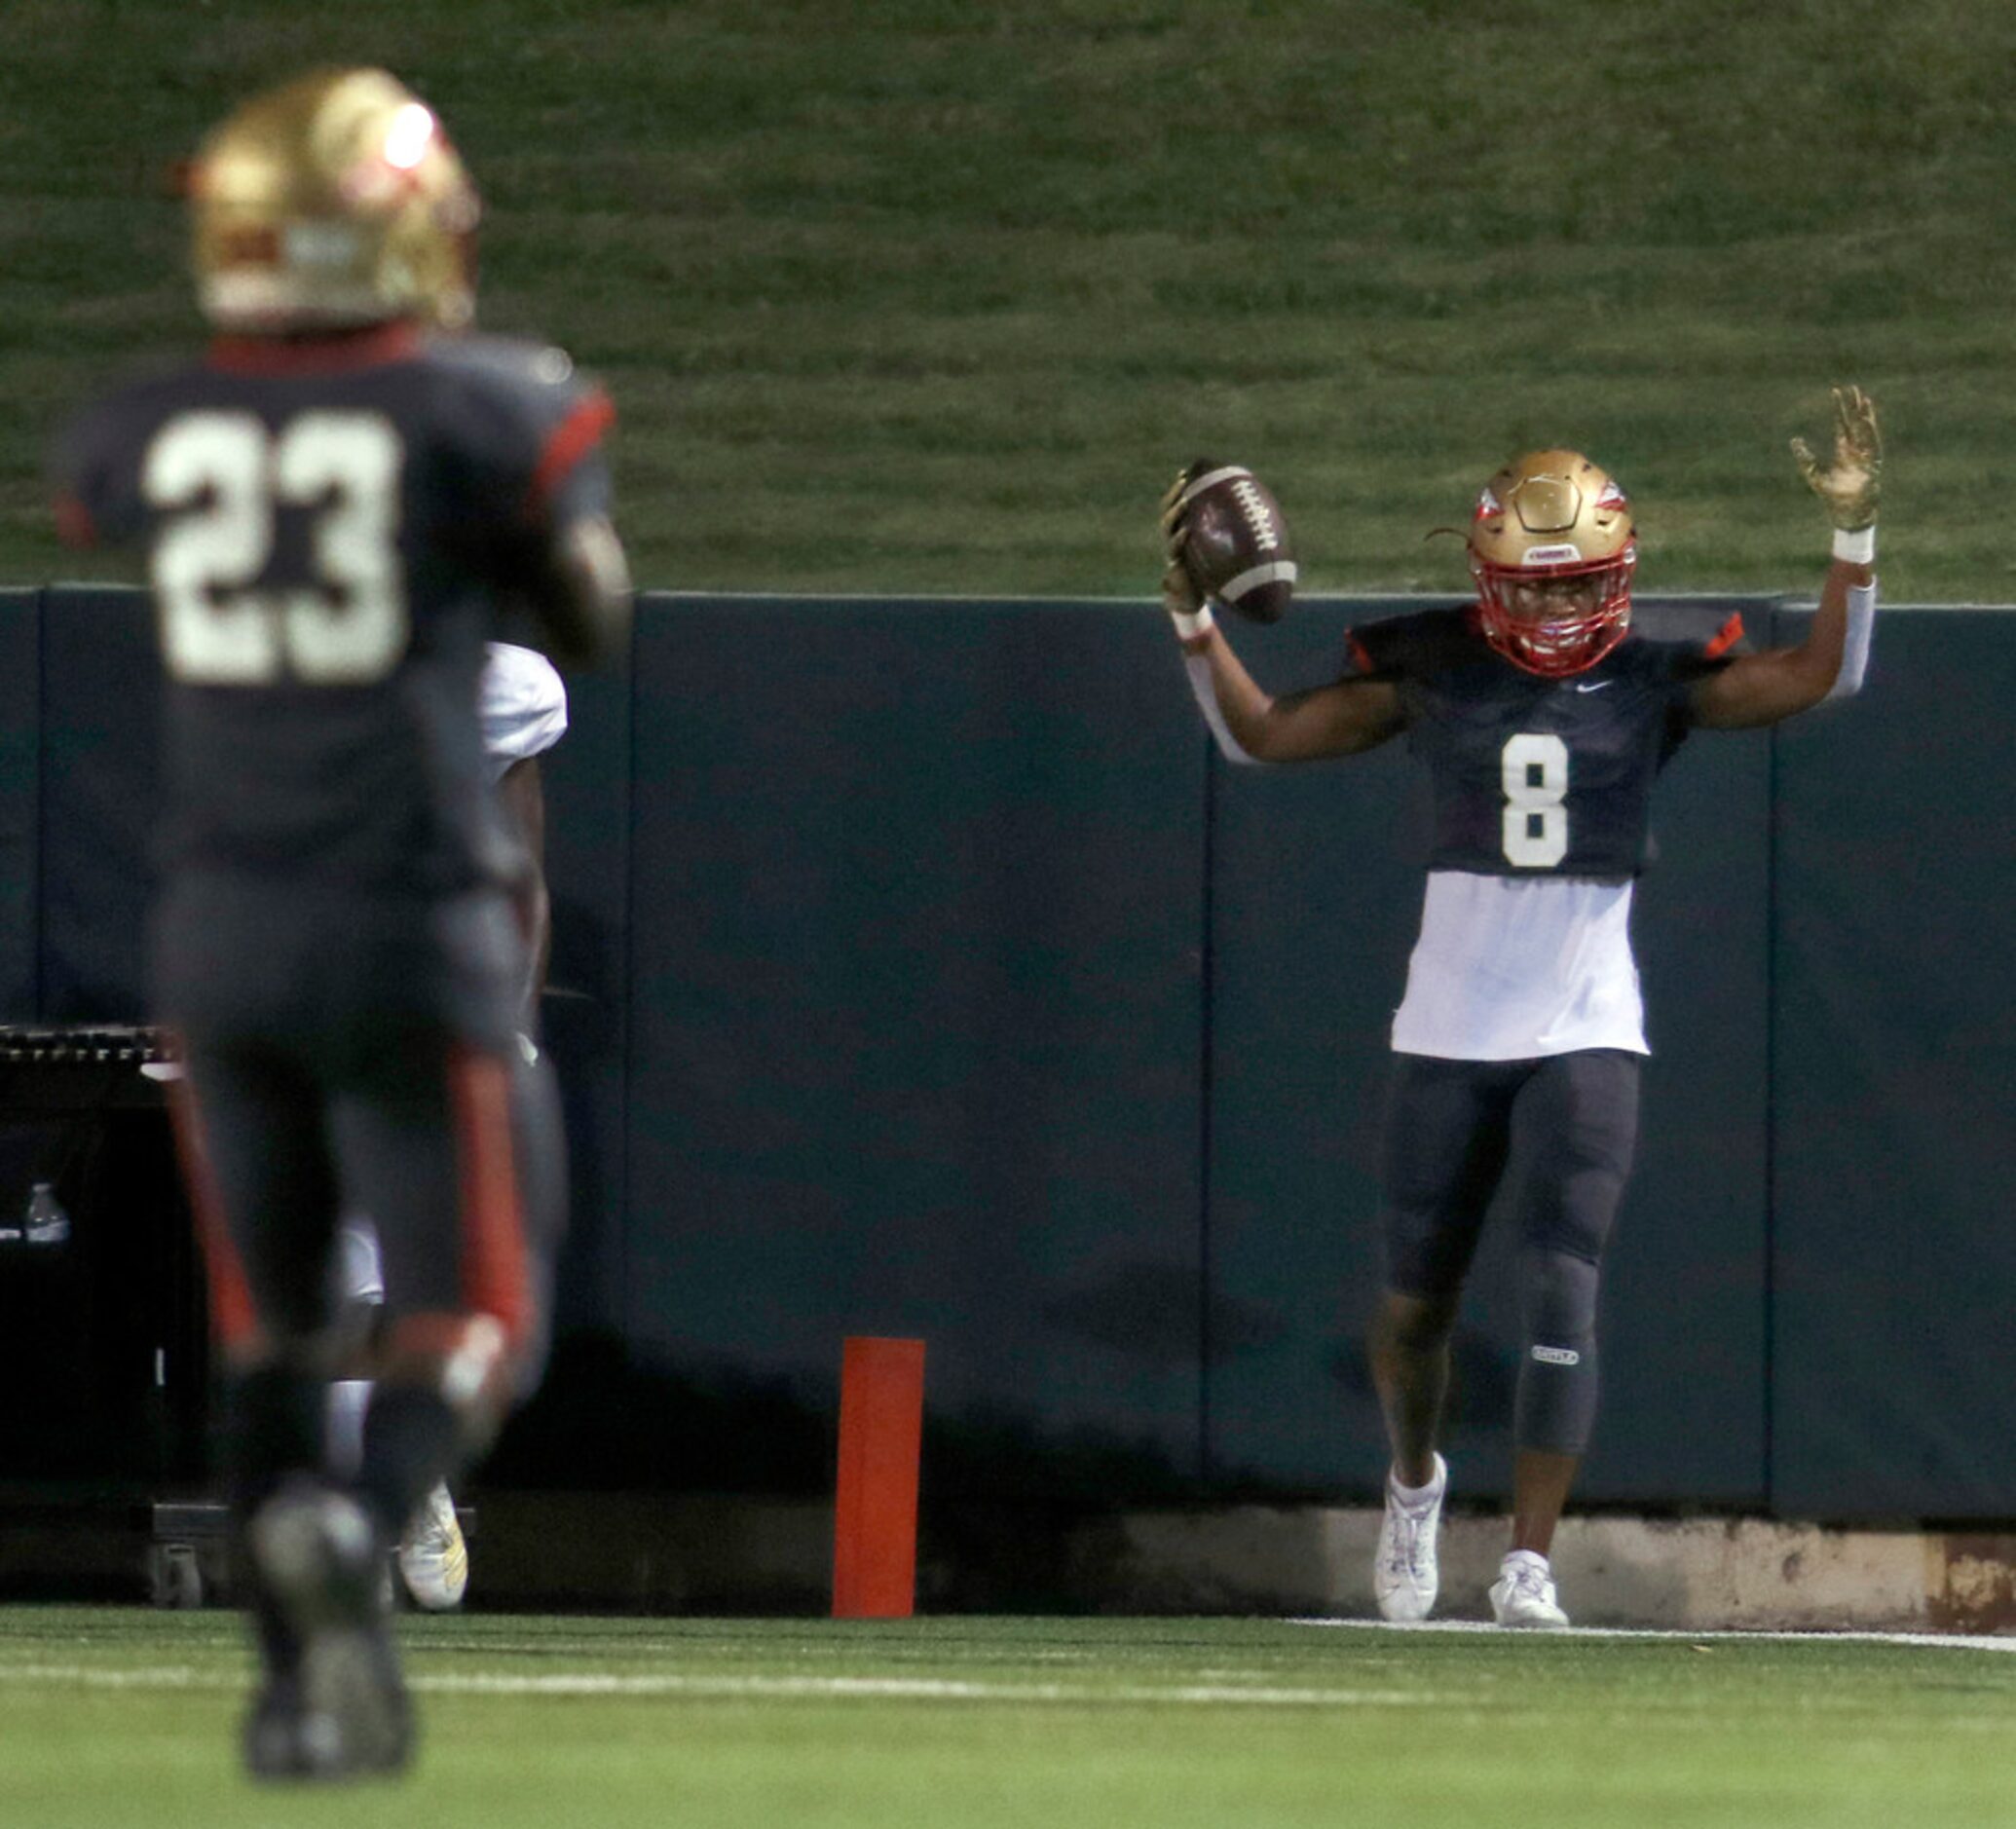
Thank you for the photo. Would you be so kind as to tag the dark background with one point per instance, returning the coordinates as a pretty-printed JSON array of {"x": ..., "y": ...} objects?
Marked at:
[{"x": 919, "y": 970}]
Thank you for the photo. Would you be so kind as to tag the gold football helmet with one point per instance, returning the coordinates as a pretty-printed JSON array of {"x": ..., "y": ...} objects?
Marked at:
[
  {"x": 1553, "y": 520},
  {"x": 332, "y": 202}
]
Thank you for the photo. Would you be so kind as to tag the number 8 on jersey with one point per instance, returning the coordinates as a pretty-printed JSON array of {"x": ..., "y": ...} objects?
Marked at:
[{"x": 1534, "y": 768}]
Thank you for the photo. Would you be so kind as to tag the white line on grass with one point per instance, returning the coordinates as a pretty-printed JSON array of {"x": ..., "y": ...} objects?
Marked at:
[
  {"x": 1955, "y": 1641},
  {"x": 596, "y": 1682},
  {"x": 178, "y": 1676},
  {"x": 899, "y": 1689},
  {"x": 913, "y": 1689}
]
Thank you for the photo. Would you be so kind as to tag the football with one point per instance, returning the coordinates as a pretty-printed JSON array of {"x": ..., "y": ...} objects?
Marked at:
[{"x": 1238, "y": 552}]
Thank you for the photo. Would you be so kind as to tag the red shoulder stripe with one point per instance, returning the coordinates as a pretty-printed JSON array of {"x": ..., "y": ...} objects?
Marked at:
[
  {"x": 1725, "y": 637},
  {"x": 575, "y": 436},
  {"x": 1360, "y": 657}
]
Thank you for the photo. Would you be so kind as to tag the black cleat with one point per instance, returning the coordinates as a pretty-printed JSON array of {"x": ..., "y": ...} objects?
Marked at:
[{"x": 346, "y": 1715}]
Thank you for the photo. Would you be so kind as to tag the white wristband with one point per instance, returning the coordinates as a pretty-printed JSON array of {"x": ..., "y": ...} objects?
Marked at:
[
  {"x": 1189, "y": 627},
  {"x": 1857, "y": 547}
]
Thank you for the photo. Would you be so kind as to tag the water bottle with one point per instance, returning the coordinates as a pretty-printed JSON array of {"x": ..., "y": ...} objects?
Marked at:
[{"x": 47, "y": 1222}]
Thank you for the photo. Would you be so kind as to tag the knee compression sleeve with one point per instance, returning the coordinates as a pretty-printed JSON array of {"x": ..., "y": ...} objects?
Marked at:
[
  {"x": 1556, "y": 1404},
  {"x": 1579, "y": 1118}
]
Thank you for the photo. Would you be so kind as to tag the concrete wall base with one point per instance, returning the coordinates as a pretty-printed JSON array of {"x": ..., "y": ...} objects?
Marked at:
[
  {"x": 1697, "y": 1573},
  {"x": 710, "y": 1554}
]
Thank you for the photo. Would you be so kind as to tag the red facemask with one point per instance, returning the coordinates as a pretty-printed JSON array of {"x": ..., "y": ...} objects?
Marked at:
[{"x": 1555, "y": 647}]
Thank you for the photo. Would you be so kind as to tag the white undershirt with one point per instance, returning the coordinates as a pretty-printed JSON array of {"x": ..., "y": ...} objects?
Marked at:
[{"x": 1507, "y": 968}]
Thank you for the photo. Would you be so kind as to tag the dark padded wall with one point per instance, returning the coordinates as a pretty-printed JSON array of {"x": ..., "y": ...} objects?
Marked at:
[
  {"x": 1314, "y": 901},
  {"x": 914, "y": 1031},
  {"x": 21, "y": 770},
  {"x": 1317, "y": 892},
  {"x": 898, "y": 946},
  {"x": 1685, "y": 1359},
  {"x": 1895, "y": 1076},
  {"x": 101, "y": 707}
]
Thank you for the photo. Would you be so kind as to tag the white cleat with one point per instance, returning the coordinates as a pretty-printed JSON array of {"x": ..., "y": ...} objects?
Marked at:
[
  {"x": 1524, "y": 1594},
  {"x": 435, "y": 1560},
  {"x": 1404, "y": 1575}
]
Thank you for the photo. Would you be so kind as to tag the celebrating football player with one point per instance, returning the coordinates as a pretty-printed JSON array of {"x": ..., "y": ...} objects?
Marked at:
[
  {"x": 335, "y": 503},
  {"x": 1543, "y": 717}
]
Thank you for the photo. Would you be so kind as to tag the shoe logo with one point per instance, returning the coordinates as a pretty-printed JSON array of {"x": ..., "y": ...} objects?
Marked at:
[
  {"x": 1558, "y": 1356},
  {"x": 1594, "y": 685}
]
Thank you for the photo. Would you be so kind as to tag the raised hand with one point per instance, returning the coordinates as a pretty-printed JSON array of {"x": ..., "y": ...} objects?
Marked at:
[{"x": 1851, "y": 480}]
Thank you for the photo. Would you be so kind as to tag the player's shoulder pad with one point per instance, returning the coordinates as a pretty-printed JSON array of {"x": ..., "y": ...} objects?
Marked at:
[
  {"x": 99, "y": 444},
  {"x": 522, "y": 704},
  {"x": 1703, "y": 624},
  {"x": 526, "y": 403},
  {"x": 1410, "y": 643},
  {"x": 1691, "y": 636},
  {"x": 540, "y": 377}
]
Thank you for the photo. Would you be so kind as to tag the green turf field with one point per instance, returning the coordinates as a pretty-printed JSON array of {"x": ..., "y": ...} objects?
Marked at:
[
  {"x": 109, "y": 1718},
  {"x": 915, "y": 295}
]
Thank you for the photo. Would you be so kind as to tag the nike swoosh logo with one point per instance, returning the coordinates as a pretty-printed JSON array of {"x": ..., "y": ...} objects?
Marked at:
[{"x": 1595, "y": 685}]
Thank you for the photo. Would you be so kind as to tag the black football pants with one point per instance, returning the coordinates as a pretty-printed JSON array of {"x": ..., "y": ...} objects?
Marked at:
[{"x": 1559, "y": 1132}]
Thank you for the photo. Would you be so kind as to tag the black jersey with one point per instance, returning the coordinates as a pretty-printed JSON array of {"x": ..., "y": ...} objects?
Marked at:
[
  {"x": 1533, "y": 776},
  {"x": 330, "y": 530}
]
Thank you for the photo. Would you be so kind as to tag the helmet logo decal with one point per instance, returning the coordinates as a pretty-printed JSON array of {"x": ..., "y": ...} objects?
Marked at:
[{"x": 1566, "y": 553}]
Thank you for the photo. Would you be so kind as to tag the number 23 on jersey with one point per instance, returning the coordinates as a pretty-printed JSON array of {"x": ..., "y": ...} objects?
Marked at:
[{"x": 222, "y": 478}]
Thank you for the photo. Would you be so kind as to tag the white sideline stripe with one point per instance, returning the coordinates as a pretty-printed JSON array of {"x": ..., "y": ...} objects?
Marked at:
[
  {"x": 1955, "y": 1641},
  {"x": 914, "y": 1688},
  {"x": 900, "y": 1689},
  {"x": 159, "y": 1677},
  {"x": 589, "y": 1683}
]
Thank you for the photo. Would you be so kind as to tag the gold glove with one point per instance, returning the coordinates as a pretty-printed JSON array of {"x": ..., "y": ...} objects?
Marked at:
[
  {"x": 1171, "y": 513},
  {"x": 1851, "y": 482},
  {"x": 1180, "y": 592}
]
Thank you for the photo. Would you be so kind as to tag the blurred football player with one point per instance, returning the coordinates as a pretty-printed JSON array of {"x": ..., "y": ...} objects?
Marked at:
[
  {"x": 1543, "y": 717},
  {"x": 335, "y": 503},
  {"x": 522, "y": 706}
]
